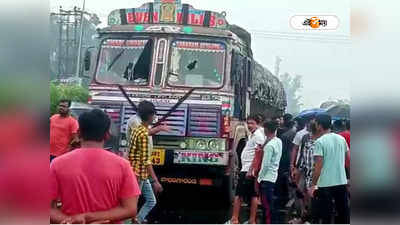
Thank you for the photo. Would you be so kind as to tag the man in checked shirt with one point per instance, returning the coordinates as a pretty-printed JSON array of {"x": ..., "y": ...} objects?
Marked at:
[
  {"x": 140, "y": 156},
  {"x": 304, "y": 172}
]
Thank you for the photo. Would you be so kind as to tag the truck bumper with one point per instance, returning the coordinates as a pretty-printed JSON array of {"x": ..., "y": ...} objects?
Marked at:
[{"x": 190, "y": 167}]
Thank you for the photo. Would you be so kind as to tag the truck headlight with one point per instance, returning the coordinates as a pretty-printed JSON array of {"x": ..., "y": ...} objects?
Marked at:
[
  {"x": 182, "y": 145},
  {"x": 201, "y": 144},
  {"x": 205, "y": 144},
  {"x": 213, "y": 145}
]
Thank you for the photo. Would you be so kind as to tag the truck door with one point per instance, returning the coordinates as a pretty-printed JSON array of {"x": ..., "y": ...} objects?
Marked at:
[{"x": 241, "y": 82}]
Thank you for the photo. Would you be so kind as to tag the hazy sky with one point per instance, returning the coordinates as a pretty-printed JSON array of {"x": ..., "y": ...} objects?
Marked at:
[{"x": 320, "y": 59}]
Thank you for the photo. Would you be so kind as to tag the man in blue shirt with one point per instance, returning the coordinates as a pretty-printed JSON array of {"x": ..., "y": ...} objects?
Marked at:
[
  {"x": 329, "y": 177},
  {"x": 269, "y": 168}
]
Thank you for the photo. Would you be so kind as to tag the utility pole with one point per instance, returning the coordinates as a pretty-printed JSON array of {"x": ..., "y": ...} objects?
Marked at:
[
  {"x": 75, "y": 42},
  {"x": 67, "y": 42},
  {"x": 78, "y": 63},
  {"x": 278, "y": 61},
  {"x": 59, "y": 54},
  {"x": 71, "y": 26}
]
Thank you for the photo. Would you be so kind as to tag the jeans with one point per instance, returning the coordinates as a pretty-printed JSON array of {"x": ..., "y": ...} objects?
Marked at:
[
  {"x": 326, "y": 195},
  {"x": 315, "y": 210},
  {"x": 150, "y": 200},
  {"x": 267, "y": 196},
  {"x": 282, "y": 188}
]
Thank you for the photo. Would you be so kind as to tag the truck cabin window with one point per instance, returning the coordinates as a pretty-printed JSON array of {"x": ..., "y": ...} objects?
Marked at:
[
  {"x": 197, "y": 64},
  {"x": 125, "y": 62}
]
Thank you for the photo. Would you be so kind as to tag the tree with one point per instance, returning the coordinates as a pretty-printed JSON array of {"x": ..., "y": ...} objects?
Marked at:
[
  {"x": 292, "y": 86},
  {"x": 71, "y": 92},
  {"x": 333, "y": 102}
]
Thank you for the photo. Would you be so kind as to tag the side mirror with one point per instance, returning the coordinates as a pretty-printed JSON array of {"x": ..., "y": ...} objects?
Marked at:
[{"x": 87, "y": 60}]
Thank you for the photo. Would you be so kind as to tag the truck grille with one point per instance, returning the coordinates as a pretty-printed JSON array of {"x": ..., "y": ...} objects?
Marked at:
[
  {"x": 176, "y": 121},
  {"x": 167, "y": 142},
  {"x": 205, "y": 121}
]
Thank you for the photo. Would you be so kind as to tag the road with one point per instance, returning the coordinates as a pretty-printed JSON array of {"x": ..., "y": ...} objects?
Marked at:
[
  {"x": 197, "y": 205},
  {"x": 191, "y": 205},
  {"x": 203, "y": 216}
]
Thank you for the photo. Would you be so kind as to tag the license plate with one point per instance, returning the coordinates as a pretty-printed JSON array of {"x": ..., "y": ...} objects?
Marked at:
[
  {"x": 158, "y": 157},
  {"x": 201, "y": 158}
]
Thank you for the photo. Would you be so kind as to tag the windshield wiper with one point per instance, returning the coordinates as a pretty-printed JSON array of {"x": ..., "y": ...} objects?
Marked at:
[
  {"x": 120, "y": 53},
  {"x": 115, "y": 59},
  {"x": 117, "y": 56}
]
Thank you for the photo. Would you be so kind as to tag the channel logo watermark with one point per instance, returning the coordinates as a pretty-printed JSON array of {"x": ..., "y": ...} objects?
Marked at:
[{"x": 314, "y": 22}]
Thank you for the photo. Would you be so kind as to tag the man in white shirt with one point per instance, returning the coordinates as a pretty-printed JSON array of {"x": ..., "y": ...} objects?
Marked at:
[{"x": 246, "y": 186}]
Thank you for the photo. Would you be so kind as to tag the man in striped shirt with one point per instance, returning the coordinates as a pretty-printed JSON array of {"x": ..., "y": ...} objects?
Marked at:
[{"x": 304, "y": 171}]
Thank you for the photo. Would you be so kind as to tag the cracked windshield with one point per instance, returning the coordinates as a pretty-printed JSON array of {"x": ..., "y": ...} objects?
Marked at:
[
  {"x": 125, "y": 62},
  {"x": 197, "y": 64}
]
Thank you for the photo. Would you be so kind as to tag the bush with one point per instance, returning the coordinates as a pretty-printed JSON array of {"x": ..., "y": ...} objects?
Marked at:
[{"x": 72, "y": 92}]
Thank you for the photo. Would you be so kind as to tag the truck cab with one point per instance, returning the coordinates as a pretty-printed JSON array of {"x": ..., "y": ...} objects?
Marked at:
[{"x": 158, "y": 52}]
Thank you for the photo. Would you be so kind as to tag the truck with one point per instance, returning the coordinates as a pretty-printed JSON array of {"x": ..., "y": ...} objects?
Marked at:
[{"x": 159, "y": 52}]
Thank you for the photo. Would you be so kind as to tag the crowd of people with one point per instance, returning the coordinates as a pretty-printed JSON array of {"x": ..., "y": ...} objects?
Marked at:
[
  {"x": 286, "y": 161},
  {"x": 296, "y": 163}
]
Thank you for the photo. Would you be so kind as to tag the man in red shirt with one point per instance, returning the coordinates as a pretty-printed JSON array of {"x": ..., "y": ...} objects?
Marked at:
[
  {"x": 93, "y": 185},
  {"x": 63, "y": 130},
  {"x": 346, "y": 135}
]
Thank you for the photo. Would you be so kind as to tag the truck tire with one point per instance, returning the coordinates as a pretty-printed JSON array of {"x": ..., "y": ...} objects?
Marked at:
[
  {"x": 228, "y": 190},
  {"x": 227, "y": 194}
]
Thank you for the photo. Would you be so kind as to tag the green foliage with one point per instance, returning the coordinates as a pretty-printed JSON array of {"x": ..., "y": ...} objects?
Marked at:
[
  {"x": 292, "y": 86},
  {"x": 72, "y": 92},
  {"x": 334, "y": 102}
]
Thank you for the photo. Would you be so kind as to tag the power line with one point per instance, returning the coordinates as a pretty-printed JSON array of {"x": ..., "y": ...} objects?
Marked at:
[
  {"x": 314, "y": 41},
  {"x": 298, "y": 33},
  {"x": 325, "y": 37},
  {"x": 331, "y": 38},
  {"x": 302, "y": 38}
]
